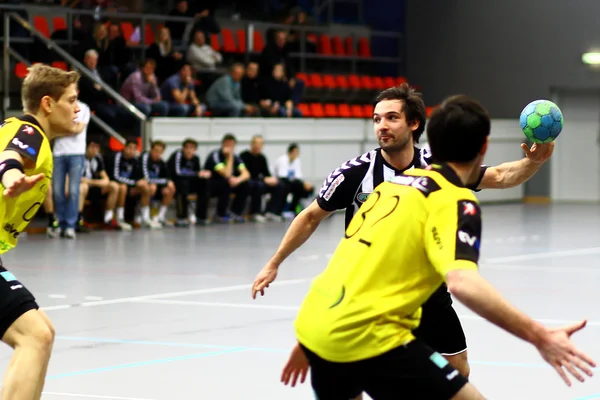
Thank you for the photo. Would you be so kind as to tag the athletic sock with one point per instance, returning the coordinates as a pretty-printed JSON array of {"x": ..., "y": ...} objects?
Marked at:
[
  {"x": 162, "y": 213},
  {"x": 145, "y": 213},
  {"x": 108, "y": 216},
  {"x": 120, "y": 214}
]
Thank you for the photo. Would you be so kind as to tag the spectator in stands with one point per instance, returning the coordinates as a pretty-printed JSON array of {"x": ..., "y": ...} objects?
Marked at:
[
  {"x": 190, "y": 179},
  {"x": 179, "y": 91},
  {"x": 277, "y": 52},
  {"x": 276, "y": 95},
  {"x": 125, "y": 170},
  {"x": 100, "y": 186},
  {"x": 77, "y": 32},
  {"x": 141, "y": 89},
  {"x": 229, "y": 175},
  {"x": 99, "y": 42},
  {"x": 204, "y": 14},
  {"x": 167, "y": 59},
  {"x": 179, "y": 28},
  {"x": 69, "y": 154},
  {"x": 202, "y": 56},
  {"x": 251, "y": 87},
  {"x": 120, "y": 51},
  {"x": 156, "y": 173},
  {"x": 262, "y": 182},
  {"x": 224, "y": 97},
  {"x": 96, "y": 97},
  {"x": 288, "y": 169}
]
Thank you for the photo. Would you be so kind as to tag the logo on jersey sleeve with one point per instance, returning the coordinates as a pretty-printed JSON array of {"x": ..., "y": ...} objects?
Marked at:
[
  {"x": 423, "y": 184},
  {"x": 27, "y": 141},
  {"x": 336, "y": 173},
  {"x": 362, "y": 196},
  {"x": 468, "y": 233},
  {"x": 336, "y": 182}
]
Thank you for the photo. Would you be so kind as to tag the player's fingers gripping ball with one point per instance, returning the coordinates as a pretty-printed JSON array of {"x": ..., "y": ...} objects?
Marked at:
[{"x": 541, "y": 121}]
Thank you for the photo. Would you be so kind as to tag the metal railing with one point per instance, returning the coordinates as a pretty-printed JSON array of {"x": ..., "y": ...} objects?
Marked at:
[
  {"x": 249, "y": 26},
  {"x": 52, "y": 45}
]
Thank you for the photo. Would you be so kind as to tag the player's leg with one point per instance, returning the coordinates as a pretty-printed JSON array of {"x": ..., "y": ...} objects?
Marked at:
[
  {"x": 111, "y": 191},
  {"x": 146, "y": 191},
  {"x": 84, "y": 189},
  {"x": 333, "y": 381},
  {"x": 30, "y": 333},
  {"x": 40, "y": 387},
  {"x": 59, "y": 176},
  {"x": 412, "y": 371},
  {"x": 182, "y": 191},
  {"x": 441, "y": 330},
  {"x": 275, "y": 204},
  {"x": 241, "y": 192},
  {"x": 123, "y": 192},
  {"x": 221, "y": 189},
  {"x": 201, "y": 187},
  {"x": 74, "y": 169},
  {"x": 52, "y": 229},
  {"x": 167, "y": 193}
]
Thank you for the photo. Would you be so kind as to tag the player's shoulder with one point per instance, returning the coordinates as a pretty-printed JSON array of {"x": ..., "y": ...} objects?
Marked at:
[{"x": 356, "y": 165}]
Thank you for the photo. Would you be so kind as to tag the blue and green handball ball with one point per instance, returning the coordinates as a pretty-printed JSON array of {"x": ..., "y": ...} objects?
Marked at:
[{"x": 541, "y": 121}]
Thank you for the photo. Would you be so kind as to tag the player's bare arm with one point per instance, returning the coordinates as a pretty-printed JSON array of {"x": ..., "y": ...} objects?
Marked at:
[
  {"x": 102, "y": 182},
  {"x": 514, "y": 173},
  {"x": 553, "y": 344},
  {"x": 14, "y": 179},
  {"x": 297, "y": 234}
]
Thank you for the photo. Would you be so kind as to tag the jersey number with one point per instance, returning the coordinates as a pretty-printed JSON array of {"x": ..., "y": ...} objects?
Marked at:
[{"x": 386, "y": 208}]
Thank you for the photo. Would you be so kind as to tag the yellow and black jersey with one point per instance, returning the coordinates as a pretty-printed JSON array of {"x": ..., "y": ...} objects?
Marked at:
[
  {"x": 26, "y": 137},
  {"x": 397, "y": 249}
]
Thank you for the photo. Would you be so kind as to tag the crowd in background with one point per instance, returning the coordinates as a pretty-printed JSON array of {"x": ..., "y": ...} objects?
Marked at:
[{"x": 87, "y": 186}]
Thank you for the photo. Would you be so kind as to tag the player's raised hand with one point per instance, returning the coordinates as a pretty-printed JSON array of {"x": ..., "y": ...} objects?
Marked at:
[
  {"x": 558, "y": 351},
  {"x": 21, "y": 184},
  {"x": 296, "y": 367},
  {"x": 539, "y": 153},
  {"x": 263, "y": 280}
]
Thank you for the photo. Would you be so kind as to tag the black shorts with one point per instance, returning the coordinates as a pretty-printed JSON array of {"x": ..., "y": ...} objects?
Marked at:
[
  {"x": 158, "y": 195},
  {"x": 440, "y": 327},
  {"x": 95, "y": 194},
  {"x": 15, "y": 300},
  {"x": 411, "y": 371}
]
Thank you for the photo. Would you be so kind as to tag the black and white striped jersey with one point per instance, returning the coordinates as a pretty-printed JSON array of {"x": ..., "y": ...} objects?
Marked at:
[{"x": 349, "y": 186}]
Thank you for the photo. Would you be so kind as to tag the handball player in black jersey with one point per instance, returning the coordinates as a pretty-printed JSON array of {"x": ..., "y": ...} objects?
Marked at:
[{"x": 398, "y": 121}]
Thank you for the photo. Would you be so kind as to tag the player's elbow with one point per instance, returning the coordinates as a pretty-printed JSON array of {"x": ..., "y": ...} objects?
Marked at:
[{"x": 460, "y": 283}]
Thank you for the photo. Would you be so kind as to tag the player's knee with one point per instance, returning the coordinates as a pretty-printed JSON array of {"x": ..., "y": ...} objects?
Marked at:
[
  {"x": 122, "y": 187},
  {"x": 33, "y": 331},
  {"x": 113, "y": 187}
]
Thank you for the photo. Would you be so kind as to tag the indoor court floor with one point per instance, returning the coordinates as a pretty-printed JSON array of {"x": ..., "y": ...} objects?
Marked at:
[{"x": 167, "y": 315}]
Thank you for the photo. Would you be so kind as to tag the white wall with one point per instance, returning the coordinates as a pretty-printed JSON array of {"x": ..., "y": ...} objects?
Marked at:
[
  {"x": 575, "y": 168},
  {"x": 324, "y": 143}
]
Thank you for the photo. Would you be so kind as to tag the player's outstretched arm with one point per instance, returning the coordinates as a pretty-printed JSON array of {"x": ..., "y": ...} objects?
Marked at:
[
  {"x": 300, "y": 230},
  {"x": 553, "y": 344},
  {"x": 514, "y": 173},
  {"x": 12, "y": 176}
]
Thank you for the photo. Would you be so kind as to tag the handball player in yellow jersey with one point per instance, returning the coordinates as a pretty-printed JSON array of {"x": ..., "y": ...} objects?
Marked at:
[
  {"x": 355, "y": 325},
  {"x": 49, "y": 97}
]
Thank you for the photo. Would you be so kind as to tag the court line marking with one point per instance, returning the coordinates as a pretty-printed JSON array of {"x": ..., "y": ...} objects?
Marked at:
[
  {"x": 145, "y": 363},
  {"x": 239, "y": 349},
  {"x": 538, "y": 256},
  {"x": 168, "y": 295},
  {"x": 471, "y": 317},
  {"x": 590, "y": 397},
  {"x": 92, "y": 396}
]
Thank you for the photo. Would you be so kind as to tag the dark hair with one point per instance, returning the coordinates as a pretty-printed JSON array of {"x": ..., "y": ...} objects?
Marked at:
[
  {"x": 292, "y": 147},
  {"x": 158, "y": 143},
  {"x": 190, "y": 141},
  {"x": 413, "y": 106},
  {"x": 228, "y": 136},
  {"x": 131, "y": 140},
  {"x": 458, "y": 129}
]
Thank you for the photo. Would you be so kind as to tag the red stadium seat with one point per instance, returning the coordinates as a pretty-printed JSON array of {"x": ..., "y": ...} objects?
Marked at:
[
  {"x": 149, "y": 35},
  {"x": 356, "y": 111},
  {"x": 400, "y": 80},
  {"x": 40, "y": 23},
  {"x": 241, "y": 40},
  {"x": 389, "y": 81},
  {"x": 354, "y": 82},
  {"x": 338, "y": 46},
  {"x": 331, "y": 110},
  {"x": 315, "y": 81},
  {"x": 259, "y": 42},
  {"x": 350, "y": 50},
  {"x": 127, "y": 29},
  {"x": 304, "y": 109},
  {"x": 304, "y": 77},
  {"x": 378, "y": 83},
  {"x": 21, "y": 70},
  {"x": 324, "y": 45},
  {"x": 368, "y": 111},
  {"x": 61, "y": 65},
  {"x": 329, "y": 82},
  {"x": 364, "y": 47},
  {"x": 229, "y": 45},
  {"x": 341, "y": 81},
  {"x": 214, "y": 42},
  {"x": 59, "y": 24},
  {"x": 366, "y": 82},
  {"x": 316, "y": 110},
  {"x": 344, "y": 111}
]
